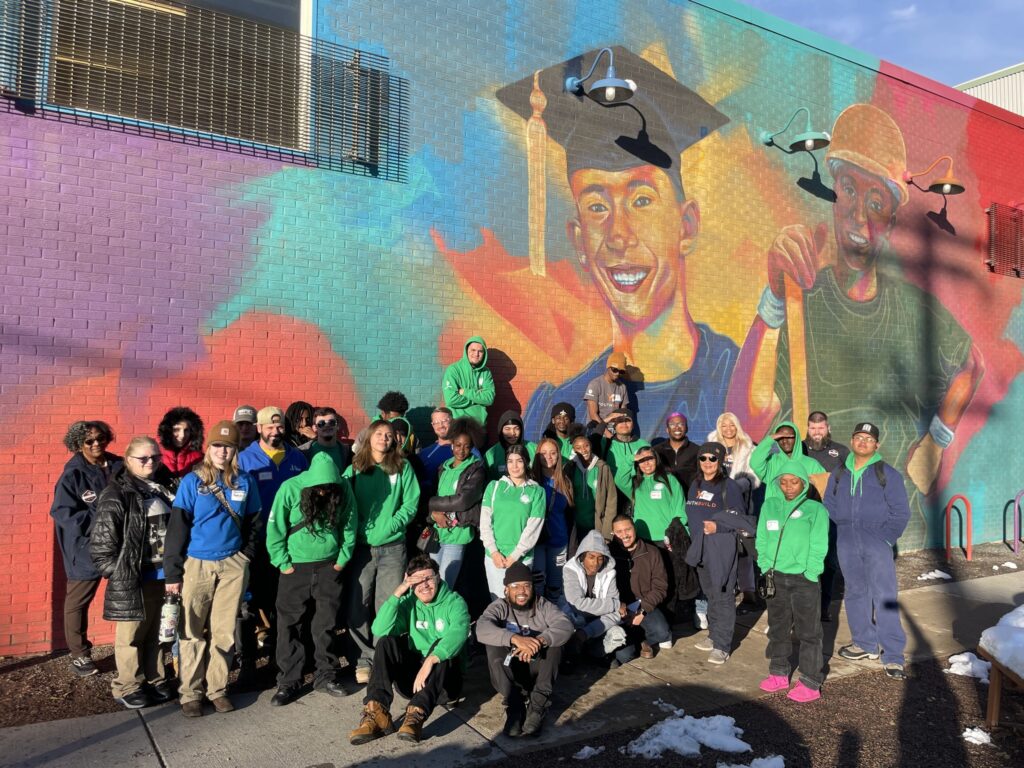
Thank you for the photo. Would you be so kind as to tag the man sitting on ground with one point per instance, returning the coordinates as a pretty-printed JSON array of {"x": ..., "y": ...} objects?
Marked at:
[
  {"x": 643, "y": 586},
  {"x": 420, "y": 632},
  {"x": 523, "y": 634}
]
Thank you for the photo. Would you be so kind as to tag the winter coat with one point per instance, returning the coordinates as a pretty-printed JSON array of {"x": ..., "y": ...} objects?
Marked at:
[
  {"x": 721, "y": 503},
  {"x": 501, "y": 620},
  {"x": 603, "y": 607},
  {"x": 641, "y": 574},
  {"x": 464, "y": 502},
  {"x": 861, "y": 507},
  {"x": 119, "y": 539},
  {"x": 687, "y": 585},
  {"x": 440, "y": 627},
  {"x": 74, "y": 509},
  {"x": 179, "y": 462},
  {"x": 682, "y": 463},
  {"x": 477, "y": 386},
  {"x": 741, "y": 453}
]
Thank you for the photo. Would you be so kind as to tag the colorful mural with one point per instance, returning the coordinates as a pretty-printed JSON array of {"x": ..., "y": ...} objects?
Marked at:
[{"x": 142, "y": 274}]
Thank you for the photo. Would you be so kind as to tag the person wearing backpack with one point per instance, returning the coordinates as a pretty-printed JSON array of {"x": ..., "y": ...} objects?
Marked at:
[{"x": 867, "y": 500}]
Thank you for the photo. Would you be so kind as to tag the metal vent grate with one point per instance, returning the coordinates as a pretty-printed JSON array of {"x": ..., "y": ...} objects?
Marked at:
[
  {"x": 1005, "y": 240},
  {"x": 211, "y": 78}
]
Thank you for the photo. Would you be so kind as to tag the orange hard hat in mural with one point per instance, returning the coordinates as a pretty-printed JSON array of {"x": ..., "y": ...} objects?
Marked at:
[{"x": 867, "y": 137}]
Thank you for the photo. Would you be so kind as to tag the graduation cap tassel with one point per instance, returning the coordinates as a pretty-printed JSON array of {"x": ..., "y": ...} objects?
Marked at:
[
  {"x": 536, "y": 146},
  {"x": 797, "y": 351}
]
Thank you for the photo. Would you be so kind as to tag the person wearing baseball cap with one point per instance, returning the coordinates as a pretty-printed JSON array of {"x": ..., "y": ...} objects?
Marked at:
[
  {"x": 619, "y": 452},
  {"x": 212, "y": 536},
  {"x": 867, "y": 500},
  {"x": 245, "y": 420}
]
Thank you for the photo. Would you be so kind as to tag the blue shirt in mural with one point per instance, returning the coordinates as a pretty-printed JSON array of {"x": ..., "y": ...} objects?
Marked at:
[{"x": 699, "y": 392}]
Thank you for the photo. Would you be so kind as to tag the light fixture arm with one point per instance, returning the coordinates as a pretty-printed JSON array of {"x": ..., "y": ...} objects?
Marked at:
[
  {"x": 769, "y": 138},
  {"x": 908, "y": 176},
  {"x": 573, "y": 84}
]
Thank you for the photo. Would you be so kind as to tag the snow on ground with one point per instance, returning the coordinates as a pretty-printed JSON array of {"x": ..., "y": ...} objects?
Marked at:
[
  {"x": 772, "y": 761},
  {"x": 936, "y": 574},
  {"x": 1011, "y": 566},
  {"x": 587, "y": 752},
  {"x": 968, "y": 665},
  {"x": 685, "y": 735},
  {"x": 1005, "y": 641},
  {"x": 976, "y": 736}
]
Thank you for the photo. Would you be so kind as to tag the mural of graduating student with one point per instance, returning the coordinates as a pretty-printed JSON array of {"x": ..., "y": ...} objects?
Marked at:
[
  {"x": 632, "y": 230},
  {"x": 904, "y": 359}
]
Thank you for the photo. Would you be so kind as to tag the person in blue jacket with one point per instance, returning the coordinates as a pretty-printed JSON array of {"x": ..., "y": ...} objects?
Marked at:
[
  {"x": 867, "y": 500},
  {"x": 270, "y": 461},
  {"x": 716, "y": 515},
  {"x": 211, "y": 539},
  {"x": 86, "y": 473}
]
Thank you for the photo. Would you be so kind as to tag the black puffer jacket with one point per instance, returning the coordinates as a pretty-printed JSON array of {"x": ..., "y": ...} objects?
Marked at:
[
  {"x": 465, "y": 502},
  {"x": 118, "y": 542}
]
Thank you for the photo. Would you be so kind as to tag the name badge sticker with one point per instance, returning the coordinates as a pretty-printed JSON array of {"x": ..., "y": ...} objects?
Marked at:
[
  {"x": 655, "y": 495},
  {"x": 772, "y": 525},
  {"x": 705, "y": 496},
  {"x": 238, "y": 495},
  {"x": 796, "y": 514}
]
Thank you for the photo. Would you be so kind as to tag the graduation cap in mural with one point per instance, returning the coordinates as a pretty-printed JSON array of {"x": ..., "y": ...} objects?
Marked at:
[{"x": 662, "y": 119}]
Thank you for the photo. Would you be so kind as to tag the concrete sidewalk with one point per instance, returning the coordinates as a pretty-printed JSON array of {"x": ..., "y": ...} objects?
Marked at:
[{"x": 940, "y": 620}]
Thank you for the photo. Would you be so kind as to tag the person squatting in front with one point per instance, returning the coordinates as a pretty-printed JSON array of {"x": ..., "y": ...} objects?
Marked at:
[
  {"x": 211, "y": 539},
  {"x": 592, "y": 600},
  {"x": 792, "y": 540},
  {"x": 643, "y": 589},
  {"x": 311, "y": 534},
  {"x": 523, "y": 635},
  {"x": 421, "y": 630}
]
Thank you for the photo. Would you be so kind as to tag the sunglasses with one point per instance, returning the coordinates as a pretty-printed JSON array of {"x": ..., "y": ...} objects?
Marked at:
[
  {"x": 709, "y": 459},
  {"x": 327, "y": 423},
  {"x": 147, "y": 459},
  {"x": 616, "y": 370},
  {"x": 644, "y": 459},
  {"x": 95, "y": 440}
]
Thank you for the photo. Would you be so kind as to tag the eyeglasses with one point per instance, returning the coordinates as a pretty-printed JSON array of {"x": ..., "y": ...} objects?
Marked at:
[
  {"x": 147, "y": 459},
  {"x": 616, "y": 370},
  {"x": 863, "y": 439},
  {"x": 709, "y": 459},
  {"x": 327, "y": 423},
  {"x": 95, "y": 440}
]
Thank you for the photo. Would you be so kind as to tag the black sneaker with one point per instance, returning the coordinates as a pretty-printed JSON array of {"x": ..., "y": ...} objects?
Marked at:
[
  {"x": 895, "y": 671},
  {"x": 856, "y": 653},
  {"x": 161, "y": 693},
  {"x": 284, "y": 696},
  {"x": 134, "y": 700},
  {"x": 83, "y": 666}
]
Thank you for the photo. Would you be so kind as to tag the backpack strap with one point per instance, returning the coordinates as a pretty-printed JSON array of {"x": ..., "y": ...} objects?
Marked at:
[
  {"x": 219, "y": 494},
  {"x": 879, "y": 474}
]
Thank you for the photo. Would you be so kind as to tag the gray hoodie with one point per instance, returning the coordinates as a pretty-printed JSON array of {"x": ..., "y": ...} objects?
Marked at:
[
  {"x": 603, "y": 607},
  {"x": 500, "y": 620}
]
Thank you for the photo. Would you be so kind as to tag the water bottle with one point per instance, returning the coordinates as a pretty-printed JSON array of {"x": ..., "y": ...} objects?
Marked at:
[{"x": 169, "y": 617}]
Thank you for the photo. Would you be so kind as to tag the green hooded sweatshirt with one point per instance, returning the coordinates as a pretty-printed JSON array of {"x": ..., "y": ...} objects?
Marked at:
[
  {"x": 446, "y": 485},
  {"x": 620, "y": 460},
  {"x": 857, "y": 474},
  {"x": 655, "y": 505},
  {"x": 311, "y": 545},
  {"x": 805, "y": 526},
  {"x": 440, "y": 627},
  {"x": 386, "y": 503},
  {"x": 477, "y": 386},
  {"x": 766, "y": 462}
]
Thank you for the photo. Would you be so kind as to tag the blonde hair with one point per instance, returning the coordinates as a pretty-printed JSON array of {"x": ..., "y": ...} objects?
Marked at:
[
  {"x": 562, "y": 483},
  {"x": 208, "y": 472},
  {"x": 138, "y": 440},
  {"x": 741, "y": 436}
]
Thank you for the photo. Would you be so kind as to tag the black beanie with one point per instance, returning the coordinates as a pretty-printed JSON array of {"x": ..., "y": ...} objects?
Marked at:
[
  {"x": 517, "y": 572},
  {"x": 558, "y": 408}
]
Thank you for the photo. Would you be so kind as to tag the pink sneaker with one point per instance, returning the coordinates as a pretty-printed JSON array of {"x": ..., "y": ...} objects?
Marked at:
[
  {"x": 774, "y": 683},
  {"x": 803, "y": 694}
]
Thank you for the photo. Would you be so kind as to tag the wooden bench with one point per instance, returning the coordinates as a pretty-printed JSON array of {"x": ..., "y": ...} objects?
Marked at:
[{"x": 998, "y": 675}]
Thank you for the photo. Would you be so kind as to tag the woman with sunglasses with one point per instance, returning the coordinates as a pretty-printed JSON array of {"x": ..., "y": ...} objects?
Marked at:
[
  {"x": 717, "y": 514},
  {"x": 657, "y": 497},
  {"x": 128, "y": 549},
  {"x": 85, "y": 475}
]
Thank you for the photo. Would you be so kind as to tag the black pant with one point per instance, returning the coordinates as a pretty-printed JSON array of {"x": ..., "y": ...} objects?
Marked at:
[
  {"x": 77, "y": 598},
  {"x": 796, "y": 609},
  {"x": 262, "y": 587},
  {"x": 315, "y": 585},
  {"x": 395, "y": 665},
  {"x": 828, "y": 576},
  {"x": 536, "y": 677},
  {"x": 721, "y": 611}
]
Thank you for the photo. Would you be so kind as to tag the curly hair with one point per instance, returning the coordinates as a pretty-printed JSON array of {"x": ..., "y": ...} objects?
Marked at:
[
  {"x": 79, "y": 431},
  {"x": 294, "y": 417},
  {"x": 165, "y": 432},
  {"x": 393, "y": 402},
  {"x": 321, "y": 511},
  {"x": 466, "y": 425}
]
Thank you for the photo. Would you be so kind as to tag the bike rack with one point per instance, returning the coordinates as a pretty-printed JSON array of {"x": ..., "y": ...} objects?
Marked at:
[
  {"x": 1016, "y": 522},
  {"x": 949, "y": 520}
]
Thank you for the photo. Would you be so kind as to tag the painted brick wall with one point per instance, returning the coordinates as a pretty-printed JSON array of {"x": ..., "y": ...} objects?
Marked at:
[{"x": 140, "y": 274}]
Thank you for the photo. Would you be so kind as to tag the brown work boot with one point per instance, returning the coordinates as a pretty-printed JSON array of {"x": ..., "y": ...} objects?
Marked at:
[
  {"x": 192, "y": 709},
  {"x": 376, "y": 722},
  {"x": 646, "y": 651},
  {"x": 412, "y": 724},
  {"x": 223, "y": 704}
]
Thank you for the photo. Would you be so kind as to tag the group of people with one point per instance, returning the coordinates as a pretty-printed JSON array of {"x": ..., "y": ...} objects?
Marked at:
[{"x": 591, "y": 542}]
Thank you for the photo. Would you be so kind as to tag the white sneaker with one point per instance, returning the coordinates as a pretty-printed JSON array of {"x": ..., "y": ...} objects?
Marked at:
[
  {"x": 666, "y": 645},
  {"x": 704, "y": 644},
  {"x": 362, "y": 675},
  {"x": 718, "y": 657},
  {"x": 702, "y": 620}
]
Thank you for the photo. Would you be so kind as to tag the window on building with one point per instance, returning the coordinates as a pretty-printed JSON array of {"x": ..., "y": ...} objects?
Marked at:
[{"x": 1006, "y": 239}]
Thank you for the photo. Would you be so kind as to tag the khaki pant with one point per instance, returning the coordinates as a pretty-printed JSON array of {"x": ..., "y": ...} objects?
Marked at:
[
  {"x": 210, "y": 595},
  {"x": 137, "y": 650}
]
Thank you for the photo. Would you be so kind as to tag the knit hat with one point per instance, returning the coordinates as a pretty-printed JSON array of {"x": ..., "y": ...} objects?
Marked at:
[
  {"x": 617, "y": 360},
  {"x": 563, "y": 409},
  {"x": 715, "y": 449},
  {"x": 516, "y": 573},
  {"x": 224, "y": 432}
]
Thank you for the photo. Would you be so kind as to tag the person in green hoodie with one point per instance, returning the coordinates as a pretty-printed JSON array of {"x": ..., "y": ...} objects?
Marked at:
[
  {"x": 421, "y": 630},
  {"x": 792, "y": 541},
  {"x": 386, "y": 494},
  {"x": 619, "y": 452},
  {"x": 657, "y": 497},
  {"x": 510, "y": 432},
  {"x": 766, "y": 462},
  {"x": 310, "y": 537},
  {"x": 593, "y": 491},
  {"x": 467, "y": 385}
]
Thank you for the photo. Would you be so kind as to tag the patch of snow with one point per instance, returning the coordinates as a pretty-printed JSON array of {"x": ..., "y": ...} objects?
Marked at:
[
  {"x": 1005, "y": 641},
  {"x": 976, "y": 736},
  {"x": 995, "y": 567},
  {"x": 664, "y": 706},
  {"x": 936, "y": 574},
  {"x": 968, "y": 665},
  {"x": 1012, "y": 566},
  {"x": 772, "y": 761},
  {"x": 587, "y": 752},
  {"x": 685, "y": 735}
]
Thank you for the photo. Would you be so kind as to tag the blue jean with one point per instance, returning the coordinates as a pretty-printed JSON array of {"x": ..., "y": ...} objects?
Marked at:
[
  {"x": 547, "y": 568},
  {"x": 870, "y": 574},
  {"x": 449, "y": 562},
  {"x": 654, "y": 629},
  {"x": 373, "y": 574}
]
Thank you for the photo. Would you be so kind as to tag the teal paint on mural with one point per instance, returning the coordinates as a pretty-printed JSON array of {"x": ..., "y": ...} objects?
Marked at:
[
  {"x": 326, "y": 255},
  {"x": 1015, "y": 327}
]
